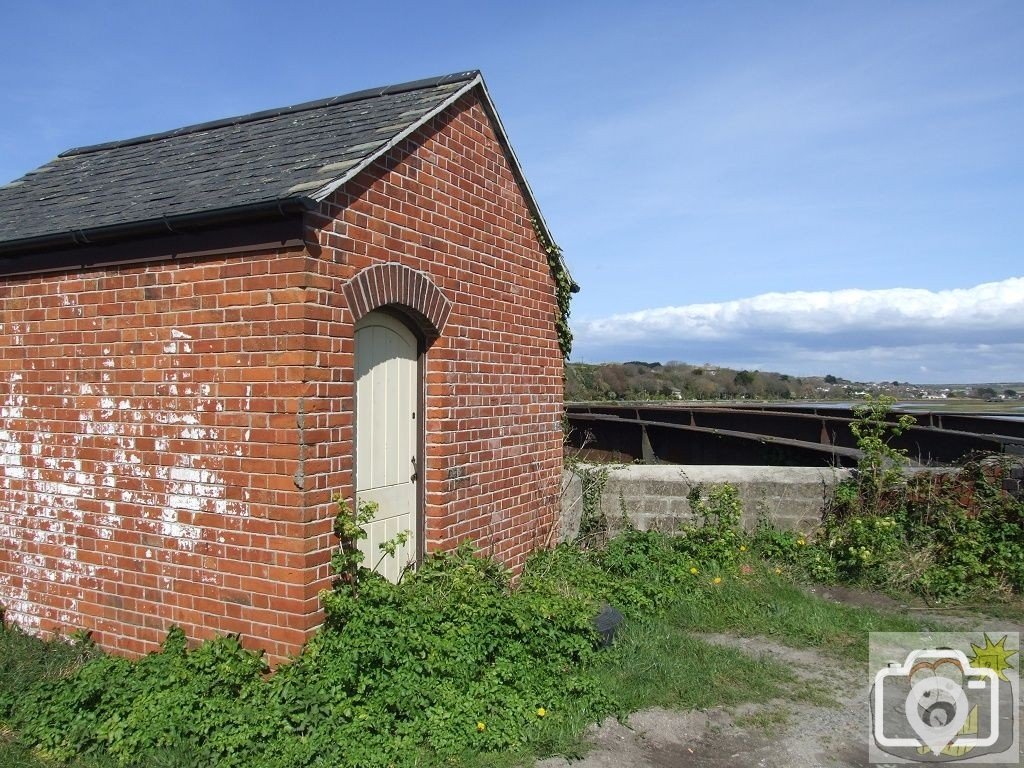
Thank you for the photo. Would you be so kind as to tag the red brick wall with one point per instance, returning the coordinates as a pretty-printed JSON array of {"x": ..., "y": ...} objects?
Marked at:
[
  {"x": 148, "y": 443},
  {"x": 171, "y": 433},
  {"x": 445, "y": 202}
]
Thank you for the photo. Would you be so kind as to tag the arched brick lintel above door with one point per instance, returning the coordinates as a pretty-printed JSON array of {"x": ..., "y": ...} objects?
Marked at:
[{"x": 405, "y": 289}]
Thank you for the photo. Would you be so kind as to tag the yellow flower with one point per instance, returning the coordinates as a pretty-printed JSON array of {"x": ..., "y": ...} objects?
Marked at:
[
  {"x": 800, "y": 542},
  {"x": 778, "y": 571},
  {"x": 693, "y": 570},
  {"x": 481, "y": 727},
  {"x": 716, "y": 580},
  {"x": 743, "y": 547},
  {"x": 541, "y": 712}
]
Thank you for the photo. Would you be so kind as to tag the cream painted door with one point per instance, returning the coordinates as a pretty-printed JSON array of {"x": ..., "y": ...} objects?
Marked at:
[{"x": 387, "y": 379}]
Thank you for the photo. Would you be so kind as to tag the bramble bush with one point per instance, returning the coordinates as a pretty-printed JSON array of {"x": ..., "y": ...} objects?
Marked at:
[{"x": 946, "y": 536}]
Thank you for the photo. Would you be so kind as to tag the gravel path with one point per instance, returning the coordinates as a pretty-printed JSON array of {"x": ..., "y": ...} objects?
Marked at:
[{"x": 781, "y": 733}]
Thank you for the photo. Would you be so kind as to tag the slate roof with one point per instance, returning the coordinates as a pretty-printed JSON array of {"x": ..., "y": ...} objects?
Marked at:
[{"x": 284, "y": 159}]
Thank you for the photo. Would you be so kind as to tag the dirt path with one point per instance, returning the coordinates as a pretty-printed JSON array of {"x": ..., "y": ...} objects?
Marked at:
[
  {"x": 782, "y": 733},
  {"x": 778, "y": 733}
]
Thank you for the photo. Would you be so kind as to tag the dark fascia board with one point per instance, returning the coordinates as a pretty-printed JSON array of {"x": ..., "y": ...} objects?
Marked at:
[
  {"x": 98, "y": 236},
  {"x": 238, "y": 237},
  {"x": 369, "y": 93}
]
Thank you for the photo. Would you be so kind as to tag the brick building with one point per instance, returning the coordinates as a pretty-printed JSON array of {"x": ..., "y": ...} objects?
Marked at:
[{"x": 206, "y": 333}]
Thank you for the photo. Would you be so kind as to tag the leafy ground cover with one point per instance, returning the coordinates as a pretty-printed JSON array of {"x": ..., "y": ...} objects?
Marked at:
[
  {"x": 456, "y": 665},
  {"x": 452, "y": 666}
]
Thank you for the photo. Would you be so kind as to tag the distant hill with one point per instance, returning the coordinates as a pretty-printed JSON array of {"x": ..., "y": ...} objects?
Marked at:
[{"x": 638, "y": 380}]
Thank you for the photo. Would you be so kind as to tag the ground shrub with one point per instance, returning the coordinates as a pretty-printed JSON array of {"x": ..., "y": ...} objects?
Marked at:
[
  {"x": 943, "y": 536},
  {"x": 206, "y": 706},
  {"x": 454, "y": 660},
  {"x": 449, "y": 660}
]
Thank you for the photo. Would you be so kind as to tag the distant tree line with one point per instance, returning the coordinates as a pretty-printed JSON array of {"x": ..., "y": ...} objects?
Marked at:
[{"x": 636, "y": 380}]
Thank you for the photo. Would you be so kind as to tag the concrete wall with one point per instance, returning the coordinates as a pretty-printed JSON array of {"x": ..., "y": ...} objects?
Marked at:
[{"x": 654, "y": 496}]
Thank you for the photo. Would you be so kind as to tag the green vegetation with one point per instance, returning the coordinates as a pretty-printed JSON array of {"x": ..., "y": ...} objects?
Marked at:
[
  {"x": 770, "y": 604},
  {"x": 678, "y": 381},
  {"x": 944, "y": 537},
  {"x": 458, "y": 665},
  {"x": 454, "y": 665},
  {"x": 564, "y": 287}
]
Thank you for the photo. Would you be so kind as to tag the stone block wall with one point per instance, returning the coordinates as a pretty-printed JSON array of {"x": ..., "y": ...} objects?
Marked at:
[{"x": 655, "y": 496}]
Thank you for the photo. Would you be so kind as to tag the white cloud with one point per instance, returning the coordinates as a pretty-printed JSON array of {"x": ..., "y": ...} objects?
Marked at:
[{"x": 963, "y": 334}]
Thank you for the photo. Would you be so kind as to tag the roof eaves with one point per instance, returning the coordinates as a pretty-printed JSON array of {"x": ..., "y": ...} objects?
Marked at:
[
  {"x": 330, "y": 187},
  {"x": 279, "y": 208}
]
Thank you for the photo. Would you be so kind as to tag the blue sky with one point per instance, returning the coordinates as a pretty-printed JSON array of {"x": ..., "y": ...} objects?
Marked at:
[{"x": 797, "y": 186}]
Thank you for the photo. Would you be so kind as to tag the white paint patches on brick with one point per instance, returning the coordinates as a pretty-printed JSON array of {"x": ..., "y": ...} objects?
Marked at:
[
  {"x": 173, "y": 417},
  {"x": 200, "y": 489},
  {"x": 186, "y": 474},
  {"x": 10, "y": 458},
  {"x": 52, "y": 482},
  {"x": 178, "y": 334}
]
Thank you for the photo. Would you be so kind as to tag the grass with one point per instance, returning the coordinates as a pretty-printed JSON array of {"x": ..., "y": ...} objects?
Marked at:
[
  {"x": 25, "y": 660},
  {"x": 768, "y": 722},
  {"x": 774, "y": 606},
  {"x": 658, "y": 664}
]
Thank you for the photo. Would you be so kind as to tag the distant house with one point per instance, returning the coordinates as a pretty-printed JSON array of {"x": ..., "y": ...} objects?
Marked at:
[{"x": 208, "y": 332}]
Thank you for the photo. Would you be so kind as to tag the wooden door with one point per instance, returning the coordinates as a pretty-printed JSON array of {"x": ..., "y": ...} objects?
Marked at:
[{"x": 387, "y": 437}]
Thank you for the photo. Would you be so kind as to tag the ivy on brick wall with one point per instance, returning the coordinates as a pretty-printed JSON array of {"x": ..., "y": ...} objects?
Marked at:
[{"x": 563, "y": 288}]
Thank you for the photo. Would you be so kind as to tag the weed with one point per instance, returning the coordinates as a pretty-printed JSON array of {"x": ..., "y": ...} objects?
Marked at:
[{"x": 767, "y": 721}]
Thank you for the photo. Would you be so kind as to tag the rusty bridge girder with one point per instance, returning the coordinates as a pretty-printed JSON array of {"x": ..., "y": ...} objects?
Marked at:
[{"x": 773, "y": 435}]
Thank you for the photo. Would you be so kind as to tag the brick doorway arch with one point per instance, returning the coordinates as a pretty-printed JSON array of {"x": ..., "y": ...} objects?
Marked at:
[{"x": 403, "y": 288}]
